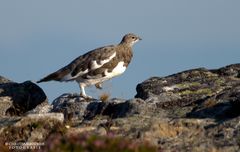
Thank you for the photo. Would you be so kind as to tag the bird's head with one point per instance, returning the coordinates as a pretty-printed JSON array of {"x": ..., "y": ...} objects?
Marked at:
[{"x": 130, "y": 39}]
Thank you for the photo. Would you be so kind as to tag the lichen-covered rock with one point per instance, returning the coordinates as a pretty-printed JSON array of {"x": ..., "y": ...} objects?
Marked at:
[
  {"x": 201, "y": 107},
  {"x": 126, "y": 108},
  {"x": 18, "y": 98},
  {"x": 199, "y": 135},
  {"x": 230, "y": 70},
  {"x": 42, "y": 108},
  {"x": 190, "y": 86},
  {"x": 76, "y": 108}
]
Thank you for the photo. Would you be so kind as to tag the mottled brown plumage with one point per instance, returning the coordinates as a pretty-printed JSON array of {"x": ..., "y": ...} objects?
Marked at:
[{"x": 97, "y": 65}]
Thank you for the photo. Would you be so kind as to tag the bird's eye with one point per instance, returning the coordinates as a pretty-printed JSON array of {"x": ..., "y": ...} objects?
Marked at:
[{"x": 133, "y": 37}]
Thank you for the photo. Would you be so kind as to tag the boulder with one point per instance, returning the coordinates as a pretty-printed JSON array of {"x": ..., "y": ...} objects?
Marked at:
[
  {"x": 76, "y": 108},
  {"x": 201, "y": 107},
  {"x": 18, "y": 98},
  {"x": 73, "y": 106},
  {"x": 188, "y": 87}
]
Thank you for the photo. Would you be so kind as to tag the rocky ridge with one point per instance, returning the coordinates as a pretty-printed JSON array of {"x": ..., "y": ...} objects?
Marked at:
[{"x": 194, "y": 110}]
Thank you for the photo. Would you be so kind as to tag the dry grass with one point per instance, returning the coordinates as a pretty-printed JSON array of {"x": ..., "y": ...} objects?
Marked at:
[{"x": 104, "y": 97}]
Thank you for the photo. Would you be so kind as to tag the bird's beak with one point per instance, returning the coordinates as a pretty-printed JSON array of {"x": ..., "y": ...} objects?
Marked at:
[{"x": 139, "y": 38}]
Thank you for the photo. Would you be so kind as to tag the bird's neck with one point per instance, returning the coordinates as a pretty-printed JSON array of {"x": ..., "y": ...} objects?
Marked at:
[
  {"x": 124, "y": 49},
  {"x": 125, "y": 44}
]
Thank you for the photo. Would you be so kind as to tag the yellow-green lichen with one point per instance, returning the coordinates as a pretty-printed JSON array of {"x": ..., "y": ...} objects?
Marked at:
[
  {"x": 220, "y": 81},
  {"x": 210, "y": 74},
  {"x": 188, "y": 85},
  {"x": 205, "y": 91}
]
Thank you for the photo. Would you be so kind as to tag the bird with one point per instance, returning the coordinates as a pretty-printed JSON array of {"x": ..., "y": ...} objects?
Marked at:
[{"x": 97, "y": 66}]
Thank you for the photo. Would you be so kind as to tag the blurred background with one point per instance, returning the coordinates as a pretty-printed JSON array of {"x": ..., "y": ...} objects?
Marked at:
[{"x": 39, "y": 37}]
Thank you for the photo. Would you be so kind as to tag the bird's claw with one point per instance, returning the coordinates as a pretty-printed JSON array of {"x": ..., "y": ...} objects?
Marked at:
[
  {"x": 98, "y": 85},
  {"x": 86, "y": 97}
]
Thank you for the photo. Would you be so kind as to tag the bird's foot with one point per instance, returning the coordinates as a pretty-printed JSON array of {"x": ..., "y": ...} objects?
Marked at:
[
  {"x": 98, "y": 85},
  {"x": 86, "y": 97}
]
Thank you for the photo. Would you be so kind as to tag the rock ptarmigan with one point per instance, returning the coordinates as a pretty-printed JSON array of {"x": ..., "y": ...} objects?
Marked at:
[{"x": 98, "y": 65}]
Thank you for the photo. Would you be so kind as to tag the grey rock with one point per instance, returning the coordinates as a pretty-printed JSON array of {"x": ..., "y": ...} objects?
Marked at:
[
  {"x": 223, "y": 106},
  {"x": 5, "y": 104},
  {"x": 74, "y": 107},
  {"x": 41, "y": 109},
  {"x": 4, "y": 80},
  {"x": 116, "y": 109},
  {"x": 18, "y": 98},
  {"x": 47, "y": 116},
  {"x": 230, "y": 70},
  {"x": 8, "y": 121},
  {"x": 190, "y": 86},
  {"x": 201, "y": 109}
]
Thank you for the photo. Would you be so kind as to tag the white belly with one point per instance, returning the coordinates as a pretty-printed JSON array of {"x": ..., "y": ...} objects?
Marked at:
[{"x": 119, "y": 69}]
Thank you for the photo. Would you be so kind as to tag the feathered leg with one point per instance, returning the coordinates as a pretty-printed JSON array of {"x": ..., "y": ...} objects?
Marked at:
[{"x": 83, "y": 93}]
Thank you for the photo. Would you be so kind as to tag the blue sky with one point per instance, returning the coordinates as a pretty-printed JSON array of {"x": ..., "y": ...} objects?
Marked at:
[{"x": 39, "y": 37}]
